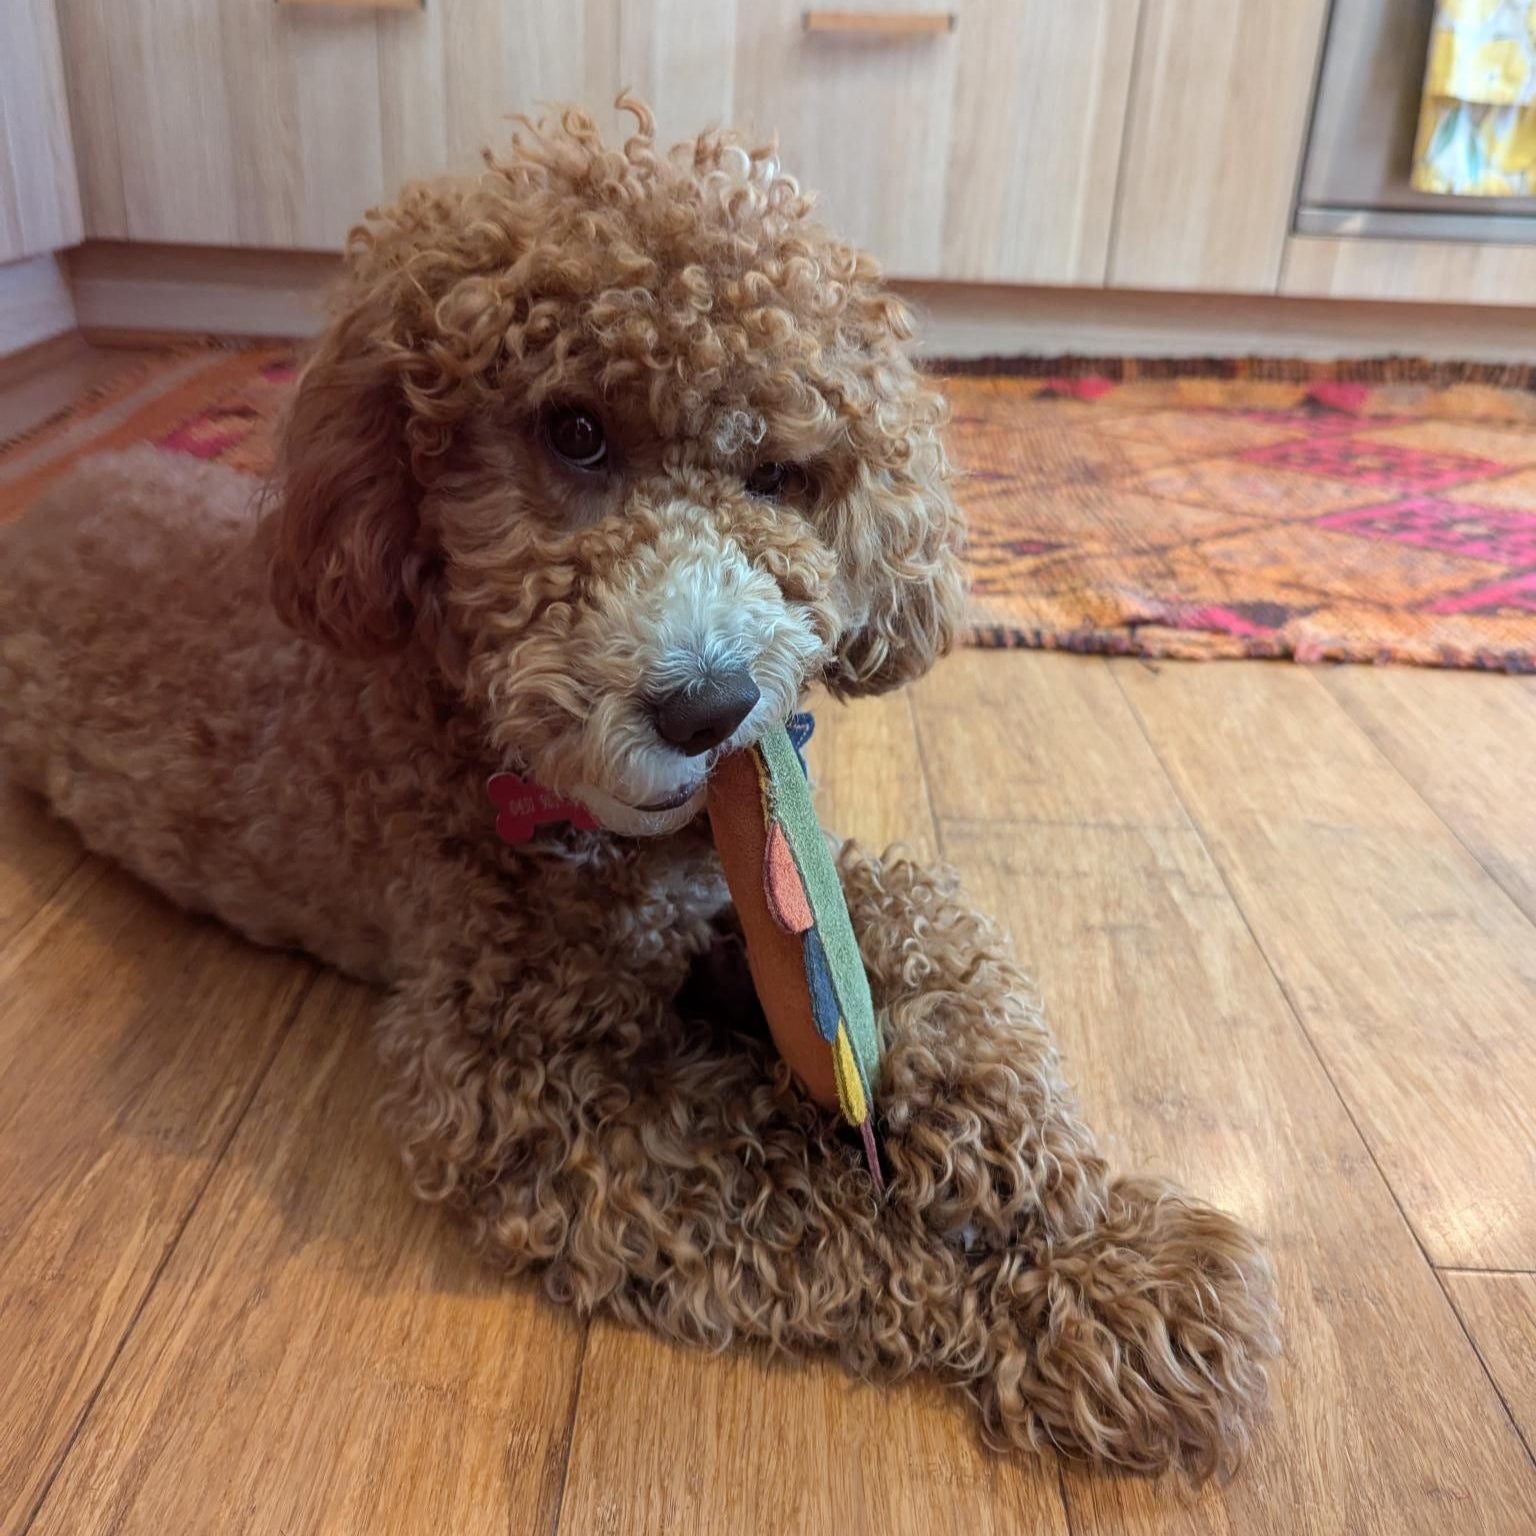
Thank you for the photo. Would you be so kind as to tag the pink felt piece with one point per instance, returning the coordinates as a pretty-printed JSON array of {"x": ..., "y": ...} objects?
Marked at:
[{"x": 787, "y": 900}]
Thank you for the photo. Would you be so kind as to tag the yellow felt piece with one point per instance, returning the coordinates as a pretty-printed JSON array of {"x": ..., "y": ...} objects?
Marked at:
[{"x": 850, "y": 1086}]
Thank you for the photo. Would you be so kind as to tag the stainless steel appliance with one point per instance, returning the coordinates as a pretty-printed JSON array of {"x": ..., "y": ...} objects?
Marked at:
[{"x": 1360, "y": 152}]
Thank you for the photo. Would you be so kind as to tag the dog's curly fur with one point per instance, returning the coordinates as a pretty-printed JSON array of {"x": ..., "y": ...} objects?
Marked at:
[{"x": 459, "y": 600}]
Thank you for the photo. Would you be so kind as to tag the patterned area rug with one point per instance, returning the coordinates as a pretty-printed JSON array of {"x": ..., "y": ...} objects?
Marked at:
[
  {"x": 1342, "y": 513},
  {"x": 1348, "y": 512}
]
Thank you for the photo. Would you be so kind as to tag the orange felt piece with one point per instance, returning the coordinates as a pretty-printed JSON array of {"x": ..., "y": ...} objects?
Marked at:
[
  {"x": 787, "y": 898},
  {"x": 776, "y": 956}
]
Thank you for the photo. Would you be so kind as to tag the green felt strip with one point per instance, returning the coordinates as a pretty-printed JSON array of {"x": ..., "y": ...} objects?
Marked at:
[{"x": 790, "y": 796}]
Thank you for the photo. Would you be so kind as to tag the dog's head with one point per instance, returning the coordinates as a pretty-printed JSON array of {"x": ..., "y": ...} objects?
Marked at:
[{"x": 632, "y": 447}]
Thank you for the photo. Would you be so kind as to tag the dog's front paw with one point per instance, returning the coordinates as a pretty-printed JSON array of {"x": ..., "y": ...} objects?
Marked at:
[{"x": 1141, "y": 1343}]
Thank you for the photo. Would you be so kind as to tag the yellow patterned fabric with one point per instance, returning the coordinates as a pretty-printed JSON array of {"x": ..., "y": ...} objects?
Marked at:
[{"x": 1477, "y": 126}]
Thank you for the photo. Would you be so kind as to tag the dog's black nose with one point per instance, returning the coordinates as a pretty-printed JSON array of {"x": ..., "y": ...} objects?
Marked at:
[{"x": 701, "y": 716}]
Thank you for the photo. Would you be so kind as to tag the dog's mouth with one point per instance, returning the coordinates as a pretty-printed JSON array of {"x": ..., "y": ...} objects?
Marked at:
[
  {"x": 653, "y": 819},
  {"x": 676, "y": 798},
  {"x": 692, "y": 790}
]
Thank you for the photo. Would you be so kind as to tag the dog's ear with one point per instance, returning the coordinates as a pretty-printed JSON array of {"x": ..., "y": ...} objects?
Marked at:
[
  {"x": 342, "y": 536},
  {"x": 899, "y": 542}
]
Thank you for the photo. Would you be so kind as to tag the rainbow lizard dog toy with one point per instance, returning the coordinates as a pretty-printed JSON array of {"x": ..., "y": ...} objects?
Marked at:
[{"x": 800, "y": 946}]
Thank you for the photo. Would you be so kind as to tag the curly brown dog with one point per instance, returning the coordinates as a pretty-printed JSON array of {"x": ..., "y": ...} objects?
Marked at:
[{"x": 606, "y": 457}]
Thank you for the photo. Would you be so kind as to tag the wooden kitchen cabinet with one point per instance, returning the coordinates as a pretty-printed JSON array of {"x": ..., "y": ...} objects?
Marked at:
[
  {"x": 451, "y": 75},
  {"x": 224, "y": 122},
  {"x": 39, "y": 198},
  {"x": 983, "y": 152},
  {"x": 986, "y": 151},
  {"x": 1218, "y": 117},
  {"x": 1034, "y": 151},
  {"x": 864, "y": 118},
  {"x": 241, "y": 122}
]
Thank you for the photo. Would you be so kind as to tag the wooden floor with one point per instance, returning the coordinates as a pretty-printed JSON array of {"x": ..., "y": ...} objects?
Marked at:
[
  {"x": 44, "y": 379},
  {"x": 1284, "y": 921},
  {"x": 1285, "y": 924}
]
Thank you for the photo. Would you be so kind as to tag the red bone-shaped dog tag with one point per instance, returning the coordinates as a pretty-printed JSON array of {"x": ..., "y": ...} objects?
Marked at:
[{"x": 522, "y": 806}]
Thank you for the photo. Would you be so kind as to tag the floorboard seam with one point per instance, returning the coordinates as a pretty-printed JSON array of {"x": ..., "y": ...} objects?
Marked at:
[
  {"x": 915, "y": 718},
  {"x": 941, "y": 847},
  {"x": 1061, "y": 1493},
  {"x": 1295, "y": 1012},
  {"x": 1479, "y": 1269},
  {"x": 1368, "y": 736},
  {"x": 61, "y": 1457},
  {"x": 570, "y": 1430},
  {"x": 1514, "y": 1423},
  {"x": 13, "y": 945}
]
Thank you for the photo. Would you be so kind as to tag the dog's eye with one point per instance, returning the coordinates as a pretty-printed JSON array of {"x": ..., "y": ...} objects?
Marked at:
[
  {"x": 768, "y": 480},
  {"x": 576, "y": 436}
]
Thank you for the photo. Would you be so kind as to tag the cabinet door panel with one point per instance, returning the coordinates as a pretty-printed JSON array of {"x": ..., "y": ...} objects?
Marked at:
[
  {"x": 238, "y": 122},
  {"x": 39, "y": 197},
  {"x": 986, "y": 152},
  {"x": 1218, "y": 115},
  {"x": 863, "y": 118},
  {"x": 172, "y": 122},
  {"x": 455, "y": 73},
  {"x": 302, "y": 93},
  {"x": 1039, "y": 114},
  {"x": 681, "y": 58},
  {"x": 241, "y": 122}
]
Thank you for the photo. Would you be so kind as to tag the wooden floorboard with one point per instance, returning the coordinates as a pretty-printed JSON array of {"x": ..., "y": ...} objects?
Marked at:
[
  {"x": 1413, "y": 971},
  {"x": 1467, "y": 744},
  {"x": 1190, "y": 1059},
  {"x": 230, "y": 1314},
  {"x": 321, "y": 1353},
  {"x": 1499, "y": 1311},
  {"x": 668, "y": 1442},
  {"x": 29, "y": 397},
  {"x": 997, "y": 749},
  {"x": 743, "y": 1446},
  {"x": 132, "y": 1038},
  {"x": 37, "y": 854},
  {"x": 869, "y": 776}
]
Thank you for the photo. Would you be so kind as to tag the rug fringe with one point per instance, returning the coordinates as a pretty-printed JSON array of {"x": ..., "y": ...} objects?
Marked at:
[
  {"x": 1269, "y": 370},
  {"x": 1152, "y": 644},
  {"x": 132, "y": 375}
]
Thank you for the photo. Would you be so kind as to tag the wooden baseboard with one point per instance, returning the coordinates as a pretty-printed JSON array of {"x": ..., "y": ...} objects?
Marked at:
[
  {"x": 138, "y": 295},
  {"x": 35, "y": 304},
  {"x": 973, "y": 320},
  {"x": 143, "y": 295}
]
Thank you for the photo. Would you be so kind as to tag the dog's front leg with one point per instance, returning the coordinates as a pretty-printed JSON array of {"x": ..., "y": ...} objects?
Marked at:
[
  {"x": 1121, "y": 1318},
  {"x": 674, "y": 1176}
]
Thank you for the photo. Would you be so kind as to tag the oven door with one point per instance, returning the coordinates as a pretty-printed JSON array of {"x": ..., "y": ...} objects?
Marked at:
[{"x": 1364, "y": 121}]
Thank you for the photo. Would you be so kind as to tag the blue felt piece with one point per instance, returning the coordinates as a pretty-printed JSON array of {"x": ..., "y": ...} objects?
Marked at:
[
  {"x": 818, "y": 975},
  {"x": 801, "y": 727}
]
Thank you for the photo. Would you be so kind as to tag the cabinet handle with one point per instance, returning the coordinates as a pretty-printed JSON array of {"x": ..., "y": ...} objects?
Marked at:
[
  {"x": 882, "y": 23},
  {"x": 361, "y": 5}
]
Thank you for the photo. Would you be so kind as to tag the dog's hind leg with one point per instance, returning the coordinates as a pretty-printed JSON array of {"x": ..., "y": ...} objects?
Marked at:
[{"x": 676, "y": 1178}]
